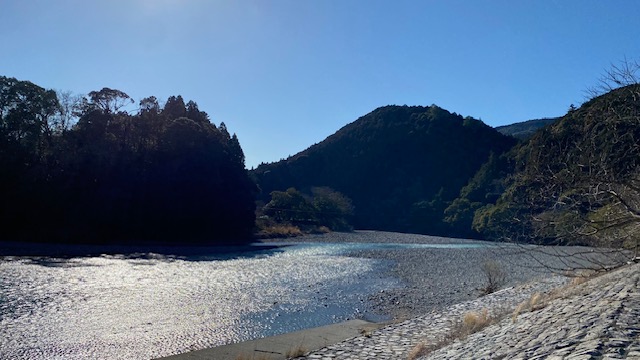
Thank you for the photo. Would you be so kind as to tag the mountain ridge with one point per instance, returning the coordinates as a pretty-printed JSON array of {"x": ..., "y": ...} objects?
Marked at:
[{"x": 393, "y": 160}]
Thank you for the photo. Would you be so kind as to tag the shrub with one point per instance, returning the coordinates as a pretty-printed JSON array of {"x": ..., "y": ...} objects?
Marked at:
[{"x": 496, "y": 277}]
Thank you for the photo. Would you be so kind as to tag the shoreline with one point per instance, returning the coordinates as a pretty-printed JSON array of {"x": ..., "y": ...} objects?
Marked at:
[
  {"x": 279, "y": 346},
  {"x": 433, "y": 279},
  {"x": 595, "y": 319},
  {"x": 65, "y": 251},
  {"x": 432, "y": 273},
  {"x": 341, "y": 337}
]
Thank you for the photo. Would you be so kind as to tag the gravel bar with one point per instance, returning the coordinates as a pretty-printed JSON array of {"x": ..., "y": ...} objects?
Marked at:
[
  {"x": 596, "y": 320},
  {"x": 438, "y": 277}
]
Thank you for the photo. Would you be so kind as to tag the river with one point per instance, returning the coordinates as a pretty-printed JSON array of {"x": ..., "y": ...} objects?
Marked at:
[{"x": 147, "y": 305}]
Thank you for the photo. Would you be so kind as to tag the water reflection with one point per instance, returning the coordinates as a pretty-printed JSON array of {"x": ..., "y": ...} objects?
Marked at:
[{"x": 143, "y": 305}]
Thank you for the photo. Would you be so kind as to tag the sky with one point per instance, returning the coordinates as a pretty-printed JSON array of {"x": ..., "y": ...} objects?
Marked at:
[{"x": 285, "y": 74}]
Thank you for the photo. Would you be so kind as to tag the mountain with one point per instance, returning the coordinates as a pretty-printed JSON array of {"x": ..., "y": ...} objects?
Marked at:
[
  {"x": 576, "y": 181},
  {"x": 525, "y": 130},
  {"x": 400, "y": 166}
]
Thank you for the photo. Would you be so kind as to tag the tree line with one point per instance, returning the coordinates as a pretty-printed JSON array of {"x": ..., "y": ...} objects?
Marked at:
[{"x": 81, "y": 169}]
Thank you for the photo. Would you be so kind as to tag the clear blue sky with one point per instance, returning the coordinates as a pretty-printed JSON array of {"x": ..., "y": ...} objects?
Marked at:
[{"x": 285, "y": 74}]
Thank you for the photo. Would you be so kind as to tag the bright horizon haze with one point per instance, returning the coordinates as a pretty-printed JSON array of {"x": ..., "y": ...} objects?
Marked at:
[{"x": 285, "y": 74}]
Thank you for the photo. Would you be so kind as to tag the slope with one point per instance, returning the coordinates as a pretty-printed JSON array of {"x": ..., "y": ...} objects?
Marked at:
[
  {"x": 576, "y": 181},
  {"x": 400, "y": 165}
]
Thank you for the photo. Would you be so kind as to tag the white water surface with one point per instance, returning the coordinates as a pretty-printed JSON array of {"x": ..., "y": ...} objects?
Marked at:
[{"x": 142, "y": 306}]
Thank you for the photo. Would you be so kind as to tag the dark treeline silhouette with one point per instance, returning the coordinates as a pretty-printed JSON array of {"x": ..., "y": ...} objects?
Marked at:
[
  {"x": 80, "y": 169},
  {"x": 401, "y": 166}
]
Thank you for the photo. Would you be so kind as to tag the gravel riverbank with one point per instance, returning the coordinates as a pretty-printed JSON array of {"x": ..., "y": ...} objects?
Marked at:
[
  {"x": 440, "y": 282},
  {"x": 438, "y": 277}
]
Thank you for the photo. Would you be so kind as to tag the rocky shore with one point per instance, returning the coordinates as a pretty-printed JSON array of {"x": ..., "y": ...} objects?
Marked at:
[
  {"x": 538, "y": 313},
  {"x": 448, "y": 271},
  {"x": 598, "y": 319}
]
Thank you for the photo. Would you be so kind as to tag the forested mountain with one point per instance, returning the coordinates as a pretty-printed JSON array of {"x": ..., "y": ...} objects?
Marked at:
[
  {"x": 525, "y": 130},
  {"x": 79, "y": 169},
  {"x": 576, "y": 181},
  {"x": 401, "y": 166}
]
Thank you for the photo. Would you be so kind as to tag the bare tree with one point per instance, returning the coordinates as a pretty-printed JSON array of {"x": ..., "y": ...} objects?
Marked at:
[
  {"x": 625, "y": 72},
  {"x": 69, "y": 104}
]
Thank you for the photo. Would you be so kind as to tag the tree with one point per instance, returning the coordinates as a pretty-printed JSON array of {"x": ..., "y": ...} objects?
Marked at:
[
  {"x": 114, "y": 176},
  {"x": 193, "y": 113},
  {"x": 149, "y": 105},
  {"x": 174, "y": 108},
  {"x": 290, "y": 206},
  {"x": 68, "y": 115},
  {"x": 326, "y": 207},
  {"x": 25, "y": 113},
  {"x": 235, "y": 150},
  {"x": 332, "y": 208},
  {"x": 108, "y": 101},
  {"x": 625, "y": 72}
]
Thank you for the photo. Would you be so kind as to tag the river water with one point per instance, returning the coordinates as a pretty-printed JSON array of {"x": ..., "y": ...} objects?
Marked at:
[{"x": 147, "y": 305}]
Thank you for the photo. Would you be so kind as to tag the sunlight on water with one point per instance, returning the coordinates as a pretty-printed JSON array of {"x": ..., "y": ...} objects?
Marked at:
[
  {"x": 117, "y": 307},
  {"x": 144, "y": 306}
]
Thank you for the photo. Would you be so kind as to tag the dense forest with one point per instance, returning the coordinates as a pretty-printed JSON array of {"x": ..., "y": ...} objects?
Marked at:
[
  {"x": 81, "y": 169},
  {"x": 401, "y": 166}
]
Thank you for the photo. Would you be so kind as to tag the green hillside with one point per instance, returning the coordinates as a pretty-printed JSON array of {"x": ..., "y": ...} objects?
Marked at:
[
  {"x": 400, "y": 165},
  {"x": 576, "y": 181}
]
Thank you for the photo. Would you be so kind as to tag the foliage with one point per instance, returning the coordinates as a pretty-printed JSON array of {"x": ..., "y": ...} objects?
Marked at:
[
  {"x": 332, "y": 209},
  {"x": 400, "y": 165},
  {"x": 485, "y": 187},
  {"x": 83, "y": 170},
  {"x": 577, "y": 181},
  {"x": 326, "y": 208},
  {"x": 290, "y": 206}
]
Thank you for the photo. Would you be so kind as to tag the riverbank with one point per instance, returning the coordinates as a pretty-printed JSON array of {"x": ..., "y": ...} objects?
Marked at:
[
  {"x": 442, "y": 280},
  {"x": 435, "y": 277},
  {"x": 598, "y": 319},
  {"x": 149, "y": 305}
]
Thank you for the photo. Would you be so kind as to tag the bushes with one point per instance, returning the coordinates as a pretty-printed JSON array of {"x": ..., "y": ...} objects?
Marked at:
[{"x": 326, "y": 209}]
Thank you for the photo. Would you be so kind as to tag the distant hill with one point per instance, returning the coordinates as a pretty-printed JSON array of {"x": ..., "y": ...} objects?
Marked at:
[
  {"x": 400, "y": 165},
  {"x": 525, "y": 130}
]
